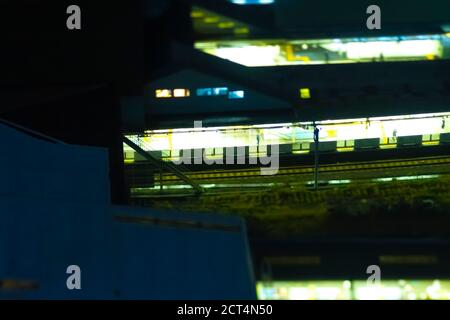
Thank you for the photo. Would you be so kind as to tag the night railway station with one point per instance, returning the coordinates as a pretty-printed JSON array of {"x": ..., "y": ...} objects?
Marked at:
[{"x": 271, "y": 149}]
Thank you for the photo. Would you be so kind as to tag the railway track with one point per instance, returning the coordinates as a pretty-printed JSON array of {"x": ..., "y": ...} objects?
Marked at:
[{"x": 384, "y": 166}]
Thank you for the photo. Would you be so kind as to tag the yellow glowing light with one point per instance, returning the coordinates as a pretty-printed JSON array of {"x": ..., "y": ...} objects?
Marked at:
[
  {"x": 430, "y": 143},
  {"x": 344, "y": 131},
  {"x": 345, "y": 50},
  {"x": 305, "y": 93},
  {"x": 303, "y": 58},
  {"x": 347, "y": 284},
  {"x": 300, "y": 152},
  {"x": 226, "y": 25},
  {"x": 248, "y": 55},
  {"x": 178, "y": 93},
  {"x": 163, "y": 93},
  {"x": 243, "y": 30},
  {"x": 211, "y": 20},
  {"x": 388, "y": 146},
  {"x": 353, "y": 290},
  {"x": 345, "y": 149},
  {"x": 197, "y": 14}
]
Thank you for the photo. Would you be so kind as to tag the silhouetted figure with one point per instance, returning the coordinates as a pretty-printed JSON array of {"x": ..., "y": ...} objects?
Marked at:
[{"x": 316, "y": 134}]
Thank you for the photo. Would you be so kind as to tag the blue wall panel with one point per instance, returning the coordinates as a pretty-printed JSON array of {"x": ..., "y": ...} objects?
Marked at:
[{"x": 55, "y": 212}]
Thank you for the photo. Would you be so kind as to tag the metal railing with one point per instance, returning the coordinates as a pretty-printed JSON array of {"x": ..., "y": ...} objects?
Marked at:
[{"x": 163, "y": 165}]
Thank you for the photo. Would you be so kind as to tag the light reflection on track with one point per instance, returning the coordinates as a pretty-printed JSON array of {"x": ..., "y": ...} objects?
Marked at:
[{"x": 382, "y": 167}]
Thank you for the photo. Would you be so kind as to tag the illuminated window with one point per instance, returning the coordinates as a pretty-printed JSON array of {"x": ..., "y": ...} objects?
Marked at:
[
  {"x": 226, "y": 25},
  {"x": 239, "y": 94},
  {"x": 207, "y": 92},
  {"x": 244, "y": 30},
  {"x": 396, "y": 289},
  {"x": 204, "y": 92},
  {"x": 244, "y": 2},
  {"x": 211, "y": 20},
  {"x": 220, "y": 91},
  {"x": 345, "y": 132},
  {"x": 408, "y": 259},
  {"x": 197, "y": 14},
  {"x": 166, "y": 153},
  {"x": 274, "y": 52},
  {"x": 163, "y": 93},
  {"x": 305, "y": 93},
  {"x": 178, "y": 93}
]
